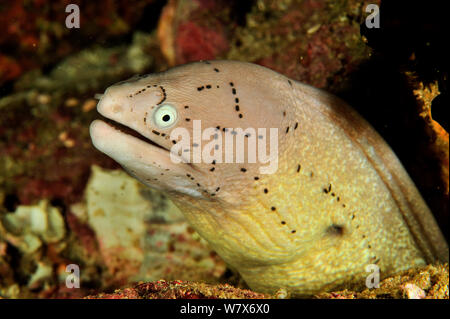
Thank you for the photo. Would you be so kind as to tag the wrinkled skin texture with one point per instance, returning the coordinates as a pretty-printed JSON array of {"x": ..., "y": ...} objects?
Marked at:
[{"x": 339, "y": 200}]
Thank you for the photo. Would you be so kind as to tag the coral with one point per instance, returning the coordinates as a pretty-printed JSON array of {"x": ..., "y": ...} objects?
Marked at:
[
  {"x": 430, "y": 282},
  {"x": 180, "y": 290},
  {"x": 438, "y": 136},
  {"x": 29, "y": 229},
  {"x": 188, "y": 31},
  {"x": 31, "y": 226},
  {"x": 438, "y": 144},
  {"x": 34, "y": 34},
  {"x": 317, "y": 42},
  {"x": 120, "y": 233}
]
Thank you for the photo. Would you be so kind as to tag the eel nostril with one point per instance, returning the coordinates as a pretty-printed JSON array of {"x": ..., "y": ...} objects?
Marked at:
[{"x": 117, "y": 109}]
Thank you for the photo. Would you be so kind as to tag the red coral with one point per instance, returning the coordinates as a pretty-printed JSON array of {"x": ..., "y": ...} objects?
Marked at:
[{"x": 195, "y": 43}]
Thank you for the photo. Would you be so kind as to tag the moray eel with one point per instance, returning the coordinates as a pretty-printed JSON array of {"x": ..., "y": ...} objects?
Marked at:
[{"x": 337, "y": 201}]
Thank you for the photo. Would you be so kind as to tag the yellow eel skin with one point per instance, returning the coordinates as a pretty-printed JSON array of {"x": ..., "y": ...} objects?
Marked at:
[{"x": 339, "y": 200}]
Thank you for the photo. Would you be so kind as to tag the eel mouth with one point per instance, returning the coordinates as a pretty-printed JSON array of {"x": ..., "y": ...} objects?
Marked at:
[
  {"x": 128, "y": 131},
  {"x": 143, "y": 158},
  {"x": 120, "y": 142}
]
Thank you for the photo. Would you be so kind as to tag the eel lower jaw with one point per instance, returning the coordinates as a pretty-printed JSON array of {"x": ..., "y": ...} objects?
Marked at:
[
  {"x": 150, "y": 163},
  {"x": 128, "y": 131}
]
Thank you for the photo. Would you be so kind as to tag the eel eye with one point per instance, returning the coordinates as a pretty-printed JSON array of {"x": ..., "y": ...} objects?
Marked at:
[{"x": 165, "y": 115}]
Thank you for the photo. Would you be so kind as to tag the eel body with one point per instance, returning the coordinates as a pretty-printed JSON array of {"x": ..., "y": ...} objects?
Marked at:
[{"x": 334, "y": 199}]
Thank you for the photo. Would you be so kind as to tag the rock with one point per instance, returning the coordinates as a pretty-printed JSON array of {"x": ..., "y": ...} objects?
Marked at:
[{"x": 115, "y": 211}]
